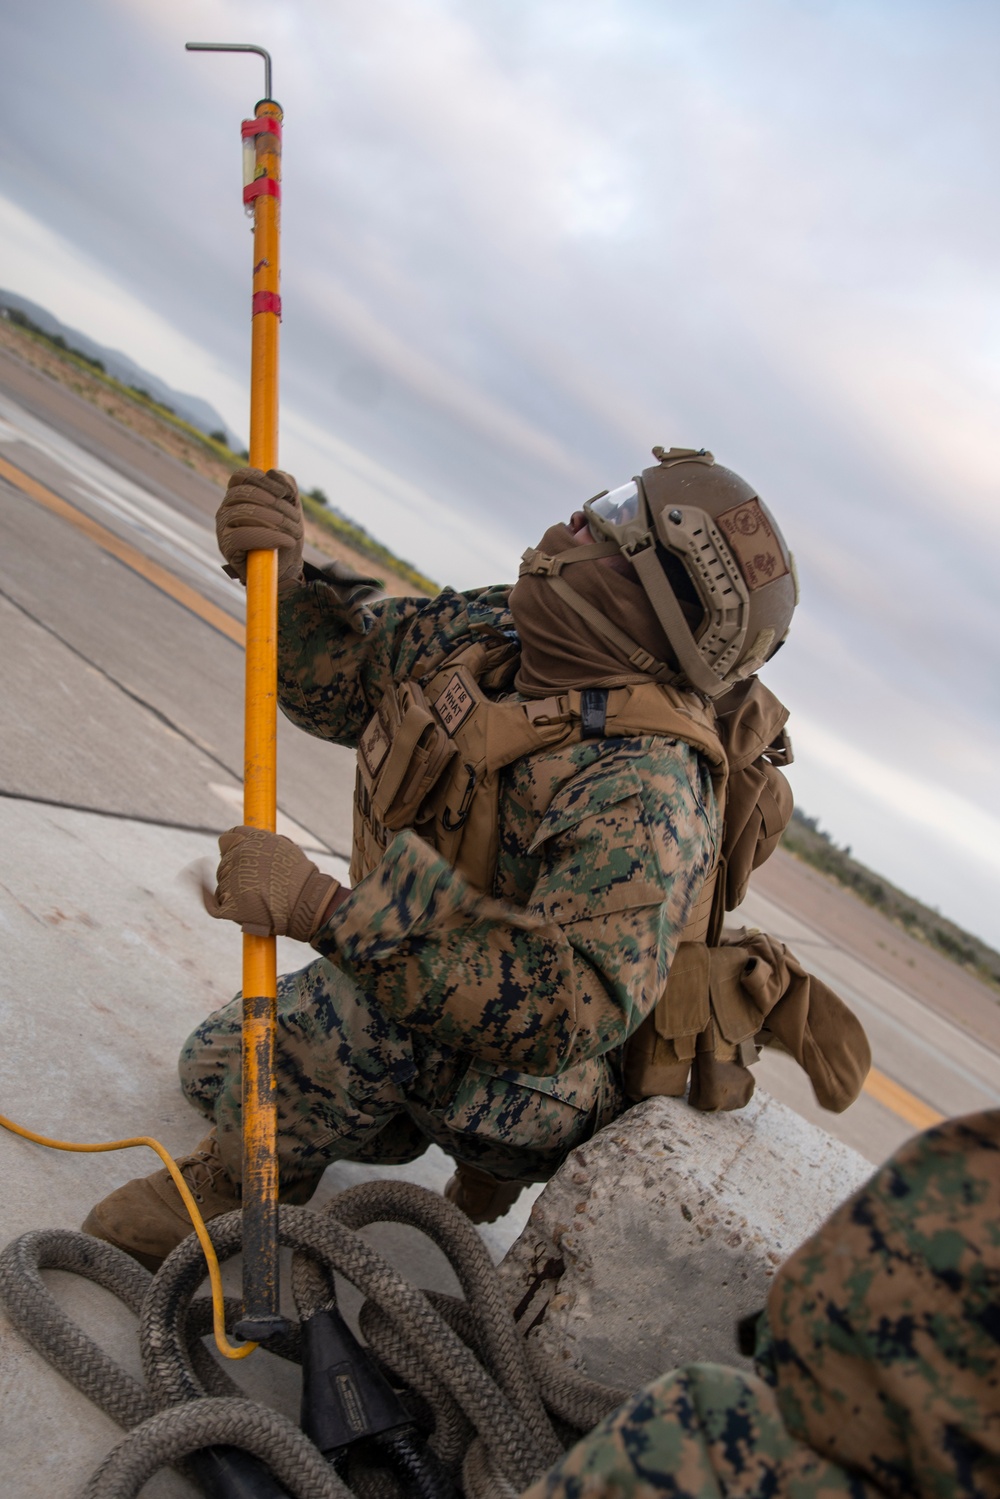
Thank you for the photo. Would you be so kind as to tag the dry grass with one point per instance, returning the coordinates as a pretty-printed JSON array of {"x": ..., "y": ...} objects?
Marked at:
[{"x": 807, "y": 841}]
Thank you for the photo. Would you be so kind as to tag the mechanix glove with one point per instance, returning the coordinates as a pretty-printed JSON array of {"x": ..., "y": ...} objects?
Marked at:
[
  {"x": 261, "y": 511},
  {"x": 268, "y": 885}
]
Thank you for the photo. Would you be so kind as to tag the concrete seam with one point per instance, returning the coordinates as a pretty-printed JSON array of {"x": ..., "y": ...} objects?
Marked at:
[
  {"x": 155, "y": 822},
  {"x": 158, "y": 714},
  {"x": 152, "y": 822},
  {"x": 102, "y": 671}
]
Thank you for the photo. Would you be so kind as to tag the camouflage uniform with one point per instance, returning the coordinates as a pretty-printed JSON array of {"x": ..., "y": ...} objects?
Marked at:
[
  {"x": 490, "y": 1023},
  {"x": 879, "y": 1357},
  {"x": 702, "y": 1432}
]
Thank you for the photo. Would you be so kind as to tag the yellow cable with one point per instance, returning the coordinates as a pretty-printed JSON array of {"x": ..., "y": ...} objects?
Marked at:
[{"x": 227, "y": 1349}]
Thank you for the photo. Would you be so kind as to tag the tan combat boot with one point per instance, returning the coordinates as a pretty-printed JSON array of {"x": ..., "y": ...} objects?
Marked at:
[
  {"x": 482, "y": 1197},
  {"x": 147, "y": 1217}
]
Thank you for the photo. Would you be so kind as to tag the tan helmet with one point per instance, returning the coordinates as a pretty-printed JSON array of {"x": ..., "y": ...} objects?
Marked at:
[{"x": 702, "y": 543}]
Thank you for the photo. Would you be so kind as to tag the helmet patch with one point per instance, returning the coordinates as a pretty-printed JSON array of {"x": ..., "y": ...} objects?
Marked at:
[{"x": 753, "y": 543}]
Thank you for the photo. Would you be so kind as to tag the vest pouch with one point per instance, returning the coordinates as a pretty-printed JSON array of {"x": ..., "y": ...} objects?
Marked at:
[
  {"x": 402, "y": 755},
  {"x": 651, "y": 1067},
  {"x": 717, "y": 1086},
  {"x": 759, "y": 799},
  {"x": 368, "y": 842},
  {"x": 461, "y": 817},
  {"x": 682, "y": 1011},
  {"x": 658, "y": 1056},
  {"x": 451, "y": 807},
  {"x": 758, "y": 809},
  {"x": 736, "y": 1015}
]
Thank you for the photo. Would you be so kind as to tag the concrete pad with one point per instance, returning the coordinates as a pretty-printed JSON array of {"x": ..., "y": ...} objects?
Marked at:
[
  {"x": 86, "y": 743},
  {"x": 109, "y": 964},
  {"x": 654, "y": 1238}
]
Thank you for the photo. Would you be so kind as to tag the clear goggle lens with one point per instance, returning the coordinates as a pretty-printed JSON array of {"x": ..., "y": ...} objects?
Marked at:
[{"x": 618, "y": 507}]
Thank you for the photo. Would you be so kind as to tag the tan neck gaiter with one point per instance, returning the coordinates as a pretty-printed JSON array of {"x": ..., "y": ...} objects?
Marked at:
[{"x": 559, "y": 648}]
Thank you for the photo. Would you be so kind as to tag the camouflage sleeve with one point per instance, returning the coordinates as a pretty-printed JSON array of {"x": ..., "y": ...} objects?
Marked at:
[
  {"x": 335, "y": 657},
  {"x": 568, "y": 976},
  {"x": 337, "y": 654},
  {"x": 702, "y": 1432},
  {"x": 882, "y": 1336}
]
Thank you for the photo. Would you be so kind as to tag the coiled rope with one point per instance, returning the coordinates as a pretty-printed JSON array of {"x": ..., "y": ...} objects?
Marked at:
[{"x": 491, "y": 1402}]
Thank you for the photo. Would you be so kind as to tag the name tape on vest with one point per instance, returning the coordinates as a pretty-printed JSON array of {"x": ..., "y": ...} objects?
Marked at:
[
  {"x": 374, "y": 746},
  {"x": 454, "y": 704}
]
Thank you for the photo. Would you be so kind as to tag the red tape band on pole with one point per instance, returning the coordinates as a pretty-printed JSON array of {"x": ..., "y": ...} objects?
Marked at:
[
  {"x": 266, "y": 301},
  {"x": 263, "y": 125},
  {"x": 263, "y": 187}
]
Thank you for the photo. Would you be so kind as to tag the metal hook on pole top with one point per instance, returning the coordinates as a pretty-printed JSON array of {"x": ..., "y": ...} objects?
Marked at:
[
  {"x": 258, "y": 178},
  {"x": 262, "y": 199},
  {"x": 238, "y": 47}
]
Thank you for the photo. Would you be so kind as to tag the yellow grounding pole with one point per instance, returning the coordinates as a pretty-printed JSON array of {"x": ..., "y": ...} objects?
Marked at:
[
  {"x": 261, "y": 1318},
  {"x": 260, "y": 1164}
]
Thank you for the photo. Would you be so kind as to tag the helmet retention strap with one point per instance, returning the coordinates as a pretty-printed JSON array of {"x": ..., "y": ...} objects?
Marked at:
[{"x": 675, "y": 626}]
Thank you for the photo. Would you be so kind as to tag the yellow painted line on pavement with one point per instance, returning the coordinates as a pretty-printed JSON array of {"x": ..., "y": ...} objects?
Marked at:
[
  {"x": 902, "y": 1102},
  {"x": 160, "y": 578}
]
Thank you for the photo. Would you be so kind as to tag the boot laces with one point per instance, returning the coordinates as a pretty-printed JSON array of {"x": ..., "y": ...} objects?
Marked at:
[{"x": 202, "y": 1170}]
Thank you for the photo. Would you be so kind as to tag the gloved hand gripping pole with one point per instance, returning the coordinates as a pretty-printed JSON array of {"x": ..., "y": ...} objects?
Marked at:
[{"x": 262, "y": 197}]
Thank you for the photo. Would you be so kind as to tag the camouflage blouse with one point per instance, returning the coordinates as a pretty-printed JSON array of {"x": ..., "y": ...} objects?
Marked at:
[{"x": 604, "y": 846}]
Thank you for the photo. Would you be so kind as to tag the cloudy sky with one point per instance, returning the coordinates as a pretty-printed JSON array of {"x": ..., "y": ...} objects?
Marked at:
[{"x": 525, "y": 240}]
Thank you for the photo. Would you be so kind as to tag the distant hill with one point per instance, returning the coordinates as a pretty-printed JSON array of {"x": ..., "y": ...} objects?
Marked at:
[
  {"x": 191, "y": 408},
  {"x": 65, "y": 357}
]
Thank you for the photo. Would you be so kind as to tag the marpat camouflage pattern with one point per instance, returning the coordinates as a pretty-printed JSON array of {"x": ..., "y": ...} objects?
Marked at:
[
  {"x": 507, "y": 1010},
  {"x": 352, "y": 1084},
  {"x": 882, "y": 1335},
  {"x": 702, "y": 1432}
]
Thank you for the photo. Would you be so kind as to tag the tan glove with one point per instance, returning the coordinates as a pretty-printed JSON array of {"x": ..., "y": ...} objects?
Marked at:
[
  {"x": 268, "y": 885},
  {"x": 261, "y": 511}
]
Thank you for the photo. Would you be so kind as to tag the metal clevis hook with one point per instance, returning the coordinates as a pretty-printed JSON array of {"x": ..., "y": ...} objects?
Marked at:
[{"x": 237, "y": 47}]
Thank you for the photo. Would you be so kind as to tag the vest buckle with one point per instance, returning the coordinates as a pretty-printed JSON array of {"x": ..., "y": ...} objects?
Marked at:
[
  {"x": 593, "y": 712},
  {"x": 539, "y": 565}
]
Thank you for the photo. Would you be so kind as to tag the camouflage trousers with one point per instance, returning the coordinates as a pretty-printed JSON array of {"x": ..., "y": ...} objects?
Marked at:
[{"x": 352, "y": 1084}]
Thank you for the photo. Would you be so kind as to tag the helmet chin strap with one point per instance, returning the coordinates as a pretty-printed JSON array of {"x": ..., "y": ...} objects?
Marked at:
[{"x": 676, "y": 628}]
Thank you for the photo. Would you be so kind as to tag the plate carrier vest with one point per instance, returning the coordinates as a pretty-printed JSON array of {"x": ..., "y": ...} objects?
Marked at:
[{"x": 432, "y": 756}]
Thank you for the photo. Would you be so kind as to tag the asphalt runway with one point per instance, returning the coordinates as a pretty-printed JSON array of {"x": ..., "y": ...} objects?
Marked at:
[{"x": 122, "y": 671}]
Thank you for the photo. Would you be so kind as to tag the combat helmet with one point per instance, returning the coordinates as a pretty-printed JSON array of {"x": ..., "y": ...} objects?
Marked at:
[{"x": 710, "y": 558}]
